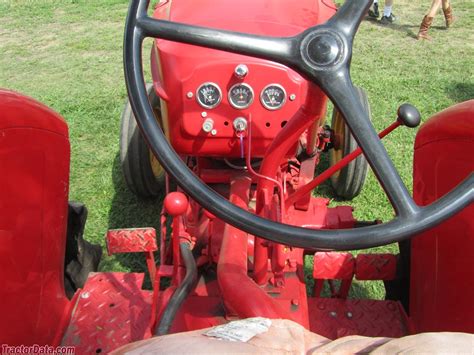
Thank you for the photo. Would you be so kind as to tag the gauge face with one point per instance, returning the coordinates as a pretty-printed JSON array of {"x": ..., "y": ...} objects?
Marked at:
[
  {"x": 240, "y": 96},
  {"x": 209, "y": 95},
  {"x": 273, "y": 96}
]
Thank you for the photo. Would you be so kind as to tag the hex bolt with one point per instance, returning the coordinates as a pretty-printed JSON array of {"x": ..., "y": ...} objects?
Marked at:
[
  {"x": 214, "y": 132},
  {"x": 333, "y": 314},
  {"x": 349, "y": 314},
  {"x": 292, "y": 97},
  {"x": 208, "y": 125},
  {"x": 241, "y": 71},
  {"x": 204, "y": 114},
  {"x": 189, "y": 95}
]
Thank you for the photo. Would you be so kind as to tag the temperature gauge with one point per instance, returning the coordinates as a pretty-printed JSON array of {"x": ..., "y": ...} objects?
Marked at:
[
  {"x": 240, "y": 96},
  {"x": 209, "y": 95},
  {"x": 273, "y": 97}
]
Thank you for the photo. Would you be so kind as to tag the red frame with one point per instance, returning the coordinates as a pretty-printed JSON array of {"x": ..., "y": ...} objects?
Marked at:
[{"x": 253, "y": 277}]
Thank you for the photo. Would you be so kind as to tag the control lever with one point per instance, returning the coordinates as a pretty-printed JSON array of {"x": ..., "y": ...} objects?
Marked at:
[{"x": 407, "y": 115}]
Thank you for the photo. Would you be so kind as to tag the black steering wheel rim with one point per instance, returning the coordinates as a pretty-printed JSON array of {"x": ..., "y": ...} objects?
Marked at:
[{"x": 322, "y": 54}]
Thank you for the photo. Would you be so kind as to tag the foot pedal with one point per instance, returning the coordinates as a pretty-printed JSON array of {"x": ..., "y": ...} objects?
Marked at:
[
  {"x": 333, "y": 265},
  {"x": 376, "y": 267},
  {"x": 133, "y": 240}
]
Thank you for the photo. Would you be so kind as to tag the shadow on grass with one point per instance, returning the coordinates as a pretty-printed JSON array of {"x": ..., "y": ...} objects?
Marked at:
[
  {"x": 460, "y": 92},
  {"x": 129, "y": 211}
]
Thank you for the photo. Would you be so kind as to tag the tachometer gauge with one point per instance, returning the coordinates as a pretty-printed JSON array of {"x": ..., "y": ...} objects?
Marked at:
[
  {"x": 273, "y": 97},
  {"x": 240, "y": 96},
  {"x": 209, "y": 95}
]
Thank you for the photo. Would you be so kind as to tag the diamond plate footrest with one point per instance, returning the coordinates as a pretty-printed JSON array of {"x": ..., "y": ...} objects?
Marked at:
[
  {"x": 343, "y": 266},
  {"x": 111, "y": 310},
  {"x": 131, "y": 240},
  {"x": 333, "y": 265},
  {"x": 376, "y": 267}
]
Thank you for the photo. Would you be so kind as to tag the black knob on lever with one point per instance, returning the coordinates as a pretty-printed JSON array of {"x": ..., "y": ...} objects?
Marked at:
[{"x": 408, "y": 115}]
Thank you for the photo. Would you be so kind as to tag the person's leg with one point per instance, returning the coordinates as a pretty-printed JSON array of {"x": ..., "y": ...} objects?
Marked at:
[
  {"x": 387, "y": 10},
  {"x": 388, "y": 16},
  {"x": 434, "y": 8},
  {"x": 448, "y": 13},
  {"x": 375, "y": 12},
  {"x": 428, "y": 20}
]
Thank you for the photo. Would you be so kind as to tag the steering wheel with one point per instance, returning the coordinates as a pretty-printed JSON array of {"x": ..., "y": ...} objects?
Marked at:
[{"x": 322, "y": 54}]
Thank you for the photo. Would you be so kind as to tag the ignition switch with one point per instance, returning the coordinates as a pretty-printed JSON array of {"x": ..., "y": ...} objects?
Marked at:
[
  {"x": 240, "y": 124},
  {"x": 208, "y": 125}
]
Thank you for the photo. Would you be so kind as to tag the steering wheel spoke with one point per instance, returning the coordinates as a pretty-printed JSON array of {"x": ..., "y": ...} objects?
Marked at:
[
  {"x": 322, "y": 54},
  {"x": 348, "y": 18},
  {"x": 341, "y": 91},
  {"x": 280, "y": 49}
]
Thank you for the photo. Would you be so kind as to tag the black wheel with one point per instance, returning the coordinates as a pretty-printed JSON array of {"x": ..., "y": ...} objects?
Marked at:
[
  {"x": 143, "y": 173},
  {"x": 347, "y": 182},
  {"x": 323, "y": 55}
]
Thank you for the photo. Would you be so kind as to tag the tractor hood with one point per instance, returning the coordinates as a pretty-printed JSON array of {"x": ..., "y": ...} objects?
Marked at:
[{"x": 268, "y": 17}]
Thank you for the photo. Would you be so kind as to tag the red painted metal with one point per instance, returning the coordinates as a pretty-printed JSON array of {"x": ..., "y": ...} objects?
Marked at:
[
  {"x": 34, "y": 160},
  {"x": 242, "y": 296},
  {"x": 131, "y": 240},
  {"x": 112, "y": 310},
  {"x": 333, "y": 265},
  {"x": 304, "y": 190},
  {"x": 442, "y": 290},
  {"x": 175, "y": 203},
  {"x": 176, "y": 73},
  {"x": 335, "y": 318},
  {"x": 242, "y": 275},
  {"x": 312, "y": 110},
  {"x": 375, "y": 267}
]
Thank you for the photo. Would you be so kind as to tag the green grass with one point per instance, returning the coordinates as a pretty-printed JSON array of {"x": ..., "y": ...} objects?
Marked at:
[{"x": 68, "y": 54}]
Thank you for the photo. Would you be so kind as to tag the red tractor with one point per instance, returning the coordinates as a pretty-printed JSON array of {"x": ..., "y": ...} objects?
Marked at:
[{"x": 231, "y": 131}]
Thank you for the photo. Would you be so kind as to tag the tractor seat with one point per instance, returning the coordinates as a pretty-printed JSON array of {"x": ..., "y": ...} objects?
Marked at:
[{"x": 285, "y": 336}]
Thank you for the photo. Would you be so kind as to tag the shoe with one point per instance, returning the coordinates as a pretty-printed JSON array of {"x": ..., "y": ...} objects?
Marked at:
[
  {"x": 375, "y": 13},
  {"x": 387, "y": 20},
  {"x": 448, "y": 16},
  {"x": 424, "y": 27}
]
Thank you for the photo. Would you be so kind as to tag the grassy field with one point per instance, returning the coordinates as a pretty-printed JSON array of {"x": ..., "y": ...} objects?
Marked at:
[{"x": 68, "y": 54}]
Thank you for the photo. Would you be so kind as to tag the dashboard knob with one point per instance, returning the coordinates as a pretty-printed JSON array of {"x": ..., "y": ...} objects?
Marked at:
[{"x": 241, "y": 71}]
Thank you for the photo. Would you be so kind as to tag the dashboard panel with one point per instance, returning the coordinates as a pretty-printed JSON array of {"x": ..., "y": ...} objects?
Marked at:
[{"x": 207, "y": 103}]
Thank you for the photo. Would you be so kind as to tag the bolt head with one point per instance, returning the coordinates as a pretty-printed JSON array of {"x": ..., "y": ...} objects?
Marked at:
[
  {"x": 241, "y": 71},
  {"x": 189, "y": 95}
]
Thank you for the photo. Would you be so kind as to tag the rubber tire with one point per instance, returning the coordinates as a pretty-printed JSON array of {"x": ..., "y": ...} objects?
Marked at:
[
  {"x": 350, "y": 180},
  {"x": 135, "y": 154}
]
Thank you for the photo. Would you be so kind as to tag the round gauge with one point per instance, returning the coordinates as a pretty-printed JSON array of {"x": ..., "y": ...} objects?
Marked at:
[
  {"x": 240, "y": 96},
  {"x": 273, "y": 96},
  {"x": 209, "y": 95}
]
